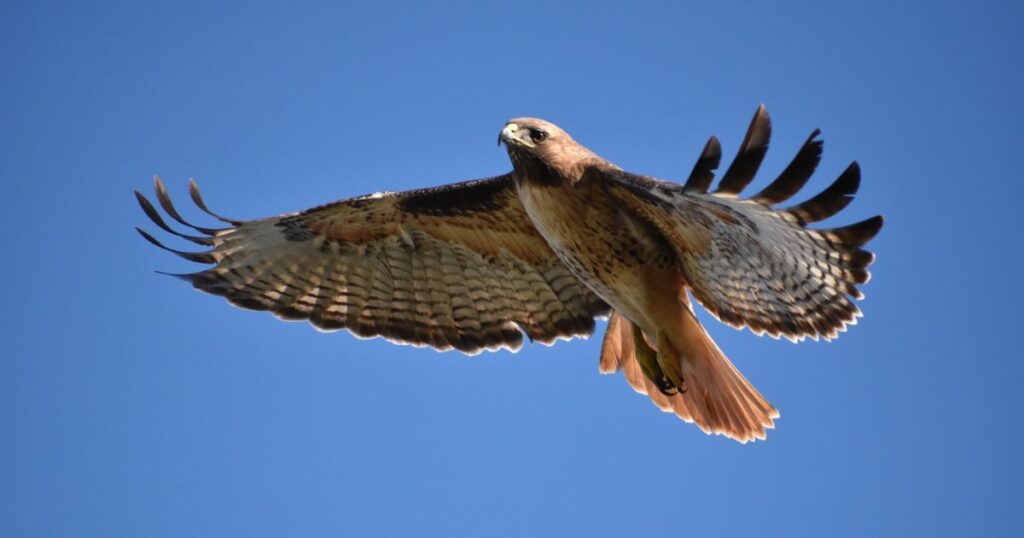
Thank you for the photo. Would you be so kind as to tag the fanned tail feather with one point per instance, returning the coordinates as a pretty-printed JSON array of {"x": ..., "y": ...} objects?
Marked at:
[{"x": 718, "y": 399}]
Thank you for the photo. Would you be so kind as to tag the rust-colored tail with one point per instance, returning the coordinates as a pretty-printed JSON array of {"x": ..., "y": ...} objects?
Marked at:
[{"x": 718, "y": 399}]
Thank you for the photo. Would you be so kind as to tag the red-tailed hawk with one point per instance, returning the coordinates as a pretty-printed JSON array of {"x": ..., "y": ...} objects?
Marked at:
[{"x": 565, "y": 237}]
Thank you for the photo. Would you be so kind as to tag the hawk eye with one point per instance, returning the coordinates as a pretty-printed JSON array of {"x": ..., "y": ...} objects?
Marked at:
[{"x": 538, "y": 136}]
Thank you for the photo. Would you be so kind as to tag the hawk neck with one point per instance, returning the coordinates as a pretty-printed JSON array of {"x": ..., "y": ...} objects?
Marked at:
[{"x": 536, "y": 172}]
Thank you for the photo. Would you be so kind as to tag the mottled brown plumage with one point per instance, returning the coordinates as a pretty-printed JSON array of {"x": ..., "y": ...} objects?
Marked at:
[{"x": 565, "y": 237}]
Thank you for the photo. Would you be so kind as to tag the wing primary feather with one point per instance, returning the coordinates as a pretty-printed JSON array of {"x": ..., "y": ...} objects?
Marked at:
[
  {"x": 199, "y": 257},
  {"x": 755, "y": 144},
  {"x": 795, "y": 176},
  {"x": 703, "y": 172},
  {"x": 831, "y": 200},
  {"x": 154, "y": 216},
  {"x": 187, "y": 277},
  {"x": 859, "y": 258},
  {"x": 165, "y": 202},
  {"x": 856, "y": 235},
  {"x": 193, "y": 191}
]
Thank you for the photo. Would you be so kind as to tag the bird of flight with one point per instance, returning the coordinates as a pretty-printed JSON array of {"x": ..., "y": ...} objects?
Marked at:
[{"x": 563, "y": 238}]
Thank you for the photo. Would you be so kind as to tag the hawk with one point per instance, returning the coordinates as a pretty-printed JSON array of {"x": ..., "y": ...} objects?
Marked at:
[{"x": 562, "y": 239}]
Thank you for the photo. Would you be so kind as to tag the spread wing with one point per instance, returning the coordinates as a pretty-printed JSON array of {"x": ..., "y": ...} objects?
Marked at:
[
  {"x": 749, "y": 263},
  {"x": 459, "y": 266}
]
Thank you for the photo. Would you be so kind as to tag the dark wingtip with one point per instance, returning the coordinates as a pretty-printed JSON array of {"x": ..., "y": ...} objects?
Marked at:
[
  {"x": 193, "y": 191},
  {"x": 859, "y": 258},
  {"x": 703, "y": 172},
  {"x": 858, "y": 234},
  {"x": 165, "y": 202},
  {"x": 796, "y": 174},
  {"x": 154, "y": 215},
  {"x": 187, "y": 277},
  {"x": 748, "y": 159},
  {"x": 198, "y": 257},
  {"x": 831, "y": 200},
  {"x": 850, "y": 238}
]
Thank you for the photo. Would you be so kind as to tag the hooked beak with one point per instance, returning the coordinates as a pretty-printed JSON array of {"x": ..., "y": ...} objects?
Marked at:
[{"x": 509, "y": 133}]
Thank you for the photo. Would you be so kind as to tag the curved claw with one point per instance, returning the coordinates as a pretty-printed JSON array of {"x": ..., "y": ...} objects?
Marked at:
[{"x": 666, "y": 387}]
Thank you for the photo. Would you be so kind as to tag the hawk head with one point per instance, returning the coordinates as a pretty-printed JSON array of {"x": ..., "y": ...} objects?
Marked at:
[{"x": 542, "y": 152}]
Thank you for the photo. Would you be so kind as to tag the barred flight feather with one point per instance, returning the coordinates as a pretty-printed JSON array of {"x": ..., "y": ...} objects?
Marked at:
[
  {"x": 754, "y": 266},
  {"x": 408, "y": 267}
]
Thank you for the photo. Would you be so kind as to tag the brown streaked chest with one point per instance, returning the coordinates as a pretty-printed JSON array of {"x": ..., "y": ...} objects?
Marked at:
[{"x": 594, "y": 236}]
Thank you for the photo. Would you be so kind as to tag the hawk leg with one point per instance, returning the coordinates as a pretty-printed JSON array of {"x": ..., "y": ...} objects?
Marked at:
[
  {"x": 669, "y": 363},
  {"x": 651, "y": 363}
]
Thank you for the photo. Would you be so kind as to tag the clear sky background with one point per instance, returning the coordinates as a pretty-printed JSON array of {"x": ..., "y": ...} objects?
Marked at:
[{"x": 131, "y": 405}]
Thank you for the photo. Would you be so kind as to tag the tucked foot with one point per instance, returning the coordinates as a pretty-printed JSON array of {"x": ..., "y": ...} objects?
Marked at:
[
  {"x": 666, "y": 387},
  {"x": 650, "y": 362},
  {"x": 669, "y": 363}
]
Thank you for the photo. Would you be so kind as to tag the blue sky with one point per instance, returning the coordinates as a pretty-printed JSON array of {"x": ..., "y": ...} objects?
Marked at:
[{"x": 131, "y": 405}]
